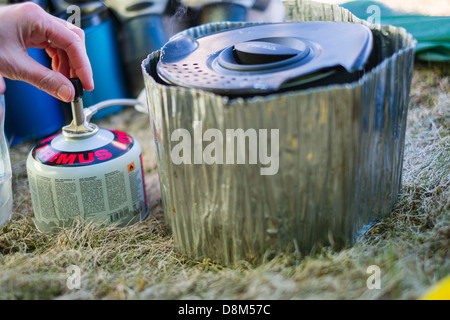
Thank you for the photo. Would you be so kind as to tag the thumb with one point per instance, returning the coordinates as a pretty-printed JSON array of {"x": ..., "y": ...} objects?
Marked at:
[{"x": 52, "y": 82}]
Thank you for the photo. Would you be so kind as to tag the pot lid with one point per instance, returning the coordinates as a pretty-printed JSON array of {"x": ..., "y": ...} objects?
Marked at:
[{"x": 266, "y": 57}]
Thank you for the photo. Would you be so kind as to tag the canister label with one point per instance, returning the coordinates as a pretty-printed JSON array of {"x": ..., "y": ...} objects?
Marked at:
[{"x": 46, "y": 154}]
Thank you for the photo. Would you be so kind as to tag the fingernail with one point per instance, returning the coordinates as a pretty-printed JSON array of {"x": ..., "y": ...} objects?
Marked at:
[{"x": 64, "y": 92}]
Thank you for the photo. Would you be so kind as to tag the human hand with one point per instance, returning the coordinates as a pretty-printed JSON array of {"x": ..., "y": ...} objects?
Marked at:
[{"x": 27, "y": 25}]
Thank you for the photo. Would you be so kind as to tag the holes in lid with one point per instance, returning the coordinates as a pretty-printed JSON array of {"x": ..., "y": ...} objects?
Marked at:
[{"x": 198, "y": 74}]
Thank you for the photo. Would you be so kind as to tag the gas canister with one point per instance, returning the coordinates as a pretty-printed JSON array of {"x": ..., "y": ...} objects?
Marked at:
[{"x": 86, "y": 172}]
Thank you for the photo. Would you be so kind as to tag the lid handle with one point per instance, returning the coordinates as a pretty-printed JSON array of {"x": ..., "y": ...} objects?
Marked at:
[{"x": 262, "y": 52}]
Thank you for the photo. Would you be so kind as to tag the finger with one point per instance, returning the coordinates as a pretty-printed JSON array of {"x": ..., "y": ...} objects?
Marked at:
[
  {"x": 63, "y": 65},
  {"x": 72, "y": 27},
  {"x": 72, "y": 73},
  {"x": 42, "y": 27},
  {"x": 2, "y": 85},
  {"x": 52, "y": 82},
  {"x": 75, "y": 52},
  {"x": 71, "y": 40},
  {"x": 60, "y": 60},
  {"x": 55, "y": 59},
  {"x": 51, "y": 51}
]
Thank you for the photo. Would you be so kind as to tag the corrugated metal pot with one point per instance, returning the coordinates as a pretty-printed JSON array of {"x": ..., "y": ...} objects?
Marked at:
[{"x": 340, "y": 155}]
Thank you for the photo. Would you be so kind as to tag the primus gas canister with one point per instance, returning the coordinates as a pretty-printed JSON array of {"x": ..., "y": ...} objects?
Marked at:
[{"x": 87, "y": 172}]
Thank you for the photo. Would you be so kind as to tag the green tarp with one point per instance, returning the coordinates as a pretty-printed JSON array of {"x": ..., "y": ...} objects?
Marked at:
[{"x": 431, "y": 32}]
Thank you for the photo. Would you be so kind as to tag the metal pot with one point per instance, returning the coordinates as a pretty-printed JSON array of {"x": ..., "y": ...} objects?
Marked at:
[{"x": 340, "y": 146}]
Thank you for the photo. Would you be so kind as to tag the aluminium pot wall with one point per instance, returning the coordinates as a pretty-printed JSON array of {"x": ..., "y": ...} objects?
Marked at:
[{"x": 339, "y": 162}]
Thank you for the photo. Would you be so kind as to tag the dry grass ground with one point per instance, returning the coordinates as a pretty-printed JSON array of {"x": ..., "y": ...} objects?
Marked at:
[{"x": 140, "y": 262}]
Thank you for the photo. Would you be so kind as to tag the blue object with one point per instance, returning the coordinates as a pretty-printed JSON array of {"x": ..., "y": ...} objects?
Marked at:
[
  {"x": 103, "y": 52},
  {"x": 30, "y": 112}
]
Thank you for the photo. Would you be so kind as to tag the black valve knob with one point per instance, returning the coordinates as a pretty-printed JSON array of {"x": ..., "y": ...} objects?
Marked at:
[{"x": 78, "y": 87}]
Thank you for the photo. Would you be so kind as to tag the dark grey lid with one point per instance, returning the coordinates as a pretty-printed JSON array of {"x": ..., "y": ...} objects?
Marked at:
[{"x": 264, "y": 58}]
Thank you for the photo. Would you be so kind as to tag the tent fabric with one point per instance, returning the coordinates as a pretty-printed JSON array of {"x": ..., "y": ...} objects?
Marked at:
[{"x": 431, "y": 32}]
